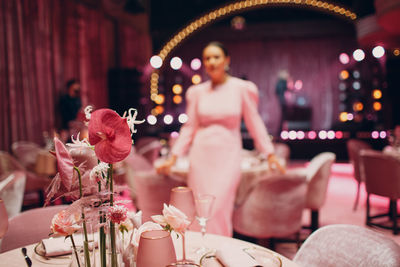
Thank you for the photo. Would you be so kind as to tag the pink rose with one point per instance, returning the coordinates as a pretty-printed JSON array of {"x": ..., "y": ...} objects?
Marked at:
[
  {"x": 172, "y": 218},
  {"x": 147, "y": 226},
  {"x": 64, "y": 224},
  {"x": 110, "y": 135}
]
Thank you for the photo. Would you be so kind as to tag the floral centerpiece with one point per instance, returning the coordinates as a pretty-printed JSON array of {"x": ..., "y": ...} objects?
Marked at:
[{"x": 91, "y": 185}]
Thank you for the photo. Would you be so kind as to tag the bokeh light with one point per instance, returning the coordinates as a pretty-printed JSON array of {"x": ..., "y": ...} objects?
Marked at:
[
  {"x": 284, "y": 135},
  {"x": 159, "y": 99},
  {"x": 176, "y": 63},
  {"x": 195, "y": 64},
  {"x": 358, "y": 106},
  {"x": 322, "y": 134},
  {"x": 377, "y": 106},
  {"x": 292, "y": 135},
  {"x": 168, "y": 119},
  {"x": 358, "y": 55},
  {"x": 151, "y": 119},
  {"x": 177, "y": 99},
  {"x": 177, "y": 89},
  {"x": 344, "y": 74},
  {"x": 298, "y": 85},
  {"x": 183, "y": 118},
  {"x": 196, "y": 79},
  {"x": 344, "y": 58},
  {"x": 378, "y": 51},
  {"x": 312, "y": 135},
  {"x": 156, "y": 61},
  {"x": 343, "y": 116},
  {"x": 377, "y": 94}
]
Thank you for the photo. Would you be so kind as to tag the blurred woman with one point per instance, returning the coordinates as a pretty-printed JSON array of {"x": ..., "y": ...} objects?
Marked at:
[{"x": 215, "y": 109}]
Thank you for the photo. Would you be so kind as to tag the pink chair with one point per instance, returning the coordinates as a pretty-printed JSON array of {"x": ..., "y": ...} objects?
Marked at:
[
  {"x": 29, "y": 227},
  {"x": 347, "y": 246},
  {"x": 318, "y": 173},
  {"x": 149, "y": 147},
  {"x": 3, "y": 219},
  {"x": 273, "y": 208},
  {"x": 381, "y": 173},
  {"x": 26, "y": 154},
  {"x": 12, "y": 187},
  {"x": 354, "y": 146}
]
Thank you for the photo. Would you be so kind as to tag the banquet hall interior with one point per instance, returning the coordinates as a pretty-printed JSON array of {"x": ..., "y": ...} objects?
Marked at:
[{"x": 338, "y": 128}]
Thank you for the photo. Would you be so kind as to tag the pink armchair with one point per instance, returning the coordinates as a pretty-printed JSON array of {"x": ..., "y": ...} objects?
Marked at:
[
  {"x": 29, "y": 227},
  {"x": 354, "y": 146},
  {"x": 381, "y": 173},
  {"x": 347, "y": 246},
  {"x": 273, "y": 208}
]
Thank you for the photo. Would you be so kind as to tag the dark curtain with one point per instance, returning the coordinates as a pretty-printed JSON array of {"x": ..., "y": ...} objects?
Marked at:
[{"x": 43, "y": 44}]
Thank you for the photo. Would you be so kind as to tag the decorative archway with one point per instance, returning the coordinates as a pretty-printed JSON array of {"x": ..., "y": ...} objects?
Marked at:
[{"x": 239, "y": 7}]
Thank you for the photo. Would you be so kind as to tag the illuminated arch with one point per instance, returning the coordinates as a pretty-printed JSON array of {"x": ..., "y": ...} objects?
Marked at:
[{"x": 236, "y": 7}]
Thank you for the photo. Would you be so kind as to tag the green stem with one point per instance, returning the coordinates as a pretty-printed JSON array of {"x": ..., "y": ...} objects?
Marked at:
[
  {"x": 76, "y": 253},
  {"x": 112, "y": 225},
  {"x": 86, "y": 241},
  {"x": 102, "y": 237}
]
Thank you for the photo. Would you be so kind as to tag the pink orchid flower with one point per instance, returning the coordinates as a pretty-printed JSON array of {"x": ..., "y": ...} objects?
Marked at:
[
  {"x": 63, "y": 224},
  {"x": 173, "y": 219},
  {"x": 110, "y": 135}
]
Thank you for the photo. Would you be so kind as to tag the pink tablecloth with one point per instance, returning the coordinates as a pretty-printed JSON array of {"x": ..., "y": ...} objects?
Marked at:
[{"x": 14, "y": 258}]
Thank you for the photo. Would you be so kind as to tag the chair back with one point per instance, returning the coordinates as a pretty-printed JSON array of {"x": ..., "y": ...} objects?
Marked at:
[
  {"x": 12, "y": 188},
  {"x": 29, "y": 227},
  {"x": 318, "y": 173},
  {"x": 149, "y": 147},
  {"x": 347, "y": 246},
  {"x": 3, "y": 219},
  {"x": 8, "y": 163},
  {"x": 381, "y": 173},
  {"x": 26, "y": 152},
  {"x": 273, "y": 208},
  {"x": 354, "y": 146}
]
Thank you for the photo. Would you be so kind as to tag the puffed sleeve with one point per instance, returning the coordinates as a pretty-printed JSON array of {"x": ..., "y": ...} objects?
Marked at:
[
  {"x": 188, "y": 129},
  {"x": 253, "y": 120}
]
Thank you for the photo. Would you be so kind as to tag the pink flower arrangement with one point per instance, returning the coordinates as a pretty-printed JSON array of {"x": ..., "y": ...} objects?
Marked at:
[
  {"x": 172, "y": 219},
  {"x": 117, "y": 214}
]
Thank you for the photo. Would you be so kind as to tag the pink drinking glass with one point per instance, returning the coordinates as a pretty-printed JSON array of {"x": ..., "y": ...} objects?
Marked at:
[
  {"x": 3, "y": 219},
  {"x": 155, "y": 249},
  {"x": 182, "y": 198}
]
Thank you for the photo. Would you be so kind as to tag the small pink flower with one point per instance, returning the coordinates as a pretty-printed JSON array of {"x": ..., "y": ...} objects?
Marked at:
[
  {"x": 64, "y": 224},
  {"x": 110, "y": 135},
  {"x": 117, "y": 213},
  {"x": 173, "y": 219},
  {"x": 147, "y": 226},
  {"x": 65, "y": 164}
]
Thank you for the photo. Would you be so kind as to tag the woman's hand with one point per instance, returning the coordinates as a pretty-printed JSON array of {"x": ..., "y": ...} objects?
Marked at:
[
  {"x": 273, "y": 162},
  {"x": 165, "y": 167}
]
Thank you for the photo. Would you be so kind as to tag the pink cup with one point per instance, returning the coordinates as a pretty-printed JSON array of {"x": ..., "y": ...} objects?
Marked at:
[{"x": 155, "y": 249}]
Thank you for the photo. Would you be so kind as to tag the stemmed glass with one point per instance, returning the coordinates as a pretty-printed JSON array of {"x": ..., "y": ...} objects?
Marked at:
[
  {"x": 3, "y": 219},
  {"x": 182, "y": 198},
  {"x": 204, "y": 204}
]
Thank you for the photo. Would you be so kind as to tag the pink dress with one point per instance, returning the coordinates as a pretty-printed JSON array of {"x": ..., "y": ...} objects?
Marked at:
[{"x": 213, "y": 135}]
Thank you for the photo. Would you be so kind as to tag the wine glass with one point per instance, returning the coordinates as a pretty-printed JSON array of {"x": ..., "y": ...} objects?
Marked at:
[
  {"x": 204, "y": 204},
  {"x": 182, "y": 198},
  {"x": 3, "y": 219}
]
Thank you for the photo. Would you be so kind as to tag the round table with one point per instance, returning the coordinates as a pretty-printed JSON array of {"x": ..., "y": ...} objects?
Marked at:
[{"x": 14, "y": 258}]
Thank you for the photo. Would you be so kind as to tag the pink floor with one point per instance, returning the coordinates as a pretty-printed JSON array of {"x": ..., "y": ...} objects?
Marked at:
[{"x": 338, "y": 208}]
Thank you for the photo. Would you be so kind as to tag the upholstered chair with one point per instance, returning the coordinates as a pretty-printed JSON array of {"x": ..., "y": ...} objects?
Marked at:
[
  {"x": 29, "y": 227},
  {"x": 12, "y": 188},
  {"x": 347, "y": 246},
  {"x": 354, "y": 146},
  {"x": 3, "y": 219},
  {"x": 273, "y": 208},
  {"x": 381, "y": 173},
  {"x": 318, "y": 173},
  {"x": 149, "y": 147}
]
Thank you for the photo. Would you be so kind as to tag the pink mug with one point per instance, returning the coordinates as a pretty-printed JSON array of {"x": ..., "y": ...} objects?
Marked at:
[{"x": 155, "y": 249}]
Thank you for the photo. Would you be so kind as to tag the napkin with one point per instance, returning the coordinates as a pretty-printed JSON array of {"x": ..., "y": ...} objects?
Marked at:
[
  {"x": 58, "y": 246},
  {"x": 232, "y": 255}
]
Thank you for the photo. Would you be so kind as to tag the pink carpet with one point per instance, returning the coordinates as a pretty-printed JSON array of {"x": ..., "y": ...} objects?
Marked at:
[{"x": 338, "y": 208}]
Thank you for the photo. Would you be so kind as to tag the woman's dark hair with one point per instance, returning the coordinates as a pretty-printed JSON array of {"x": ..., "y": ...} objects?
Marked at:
[
  {"x": 220, "y": 45},
  {"x": 71, "y": 82}
]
